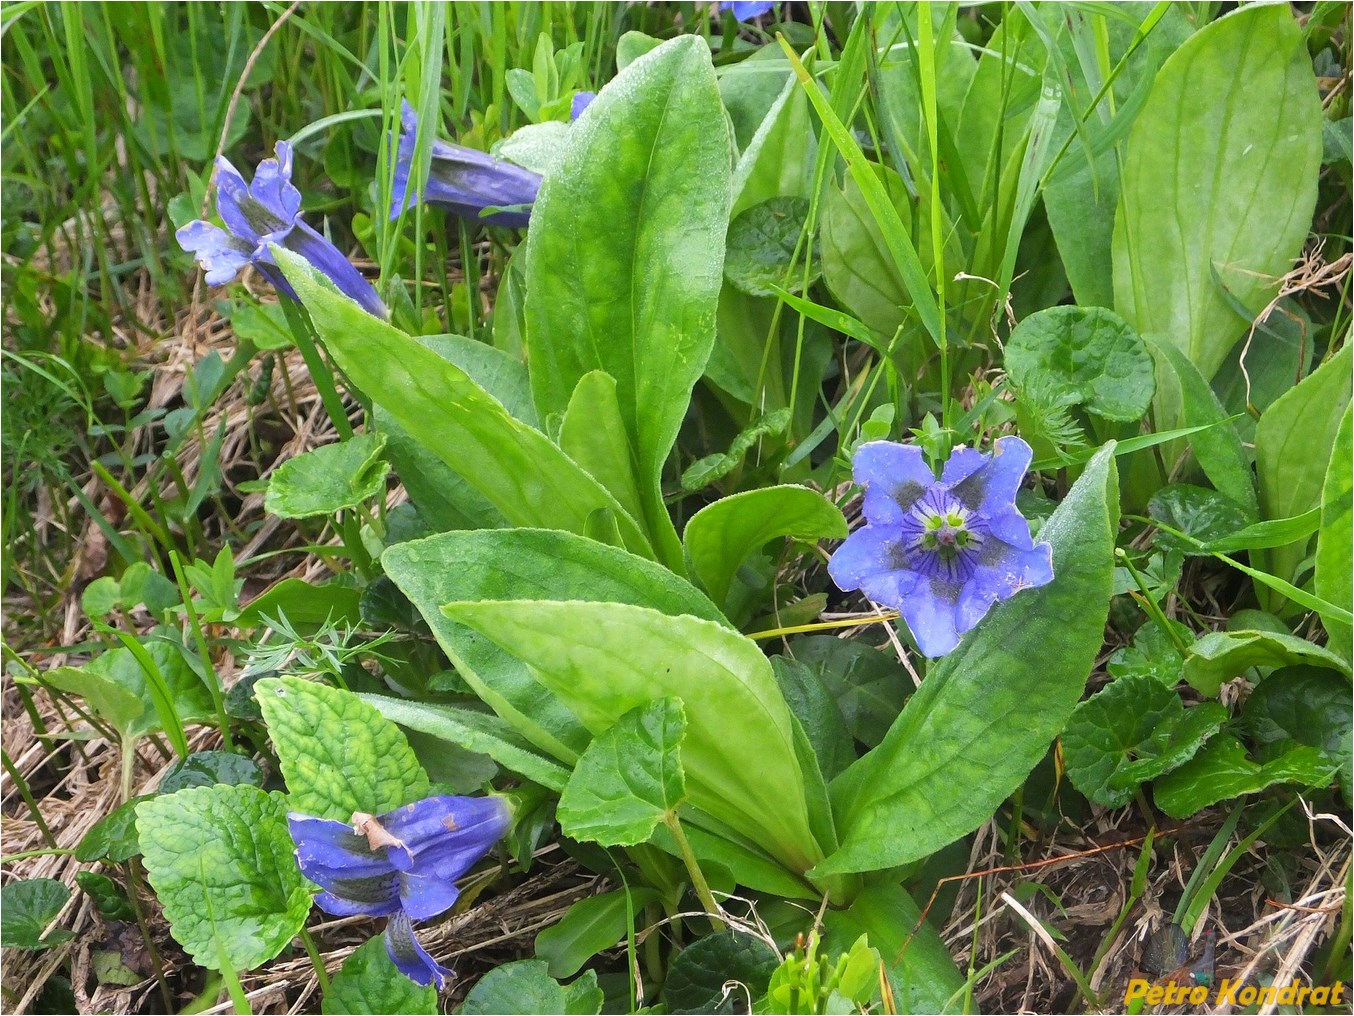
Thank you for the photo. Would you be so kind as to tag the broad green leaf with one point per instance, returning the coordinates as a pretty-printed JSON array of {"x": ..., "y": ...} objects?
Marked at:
[
  {"x": 1153, "y": 654},
  {"x": 107, "y": 697},
  {"x": 954, "y": 754},
  {"x": 605, "y": 659},
  {"x": 221, "y": 862},
  {"x": 338, "y": 754},
  {"x": 520, "y": 564},
  {"x": 328, "y": 479},
  {"x": 1256, "y": 374},
  {"x": 869, "y": 686},
  {"x": 1222, "y": 771},
  {"x": 534, "y": 146},
  {"x": 113, "y": 837},
  {"x": 812, "y": 703},
  {"x": 473, "y": 731},
  {"x": 778, "y": 159},
  {"x": 589, "y": 926},
  {"x": 1334, "y": 548},
  {"x": 1220, "y": 656},
  {"x": 1293, "y": 444},
  {"x": 207, "y": 769},
  {"x": 517, "y": 469},
  {"x": 629, "y": 779},
  {"x": 593, "y": 435},
  {"x": 1198, "y": 512},
  {"x": 697, "y": 977},
  {"x": 27, "y": 907},
  {"x": 1085, "y": 356},
  {"x": 722, "y": 535},
  {"x": 762, "y": 244},
  {"x": 304, "y": 605},
  {"x": 626, "y": 249},
  {"x": 1235, "y": 107},
  {"x": 1302, "y": 705},
  {"x": 1129, "y": 732},
  {"x": 1217, "y": 447},
  {"x": 445, "y": 499},
  {"x": 526, "y": 989},
  {"x": 369, "y": 982},
  {"x": 920, "y": 971}
]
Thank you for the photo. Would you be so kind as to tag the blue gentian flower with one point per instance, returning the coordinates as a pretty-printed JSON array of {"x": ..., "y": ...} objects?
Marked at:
[
  {"x": 403, "y": 864},
  {"x": 941, "y": 552},
  {"x": 746, "y": 10},
  {"x": 261, "y": 213},
  {"x": 582, "y": 100},
  {"x": 462, "y": 180}
]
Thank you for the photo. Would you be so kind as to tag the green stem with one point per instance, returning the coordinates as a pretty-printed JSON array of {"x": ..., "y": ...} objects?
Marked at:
[
  {"x": 319, "y": 371},
  {"x": 1151, "y": 604},
  {"x": 694, "y": 870},
  {"x": 43, "y": 852},
  {"x": 316, "y": 960},
  {"x": 213, "y": 685},
  {"x": 134, "y": 883},
  {"x": 27, "y": 795}
]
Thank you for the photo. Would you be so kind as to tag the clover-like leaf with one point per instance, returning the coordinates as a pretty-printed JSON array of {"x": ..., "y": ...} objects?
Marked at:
[
  {"x": 1195, "y": 511},
  {"x": 1089, "y": 355},
  {"x": 628, "y": 778},
  {"x": 208, "y": 768},
  {"x": 328, "y": 479},
  {"x": 113, "y": 837},
  {"x": 1132, "y": 731},
  {"x": 1302, "y": 705},
  {"x": 338, "y": 754},
  {"x": 370, "y": 982},
  {"x": 221, "y": 862}
]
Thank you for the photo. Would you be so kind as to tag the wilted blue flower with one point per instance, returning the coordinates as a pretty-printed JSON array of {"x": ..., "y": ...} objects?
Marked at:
[
  {"x": 582, "y": 100},
  {"x": 404, "y": 864},
  {"x": 462, "y": 180},
  {"x": 264, "y": 212},
  {"x": 943, "y": 551},
  {"x": 746, "y": 10}
]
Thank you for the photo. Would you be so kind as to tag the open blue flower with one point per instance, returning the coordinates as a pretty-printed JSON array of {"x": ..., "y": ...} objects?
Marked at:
[
  {"x": 746, "y": 10},
  {"x": 581, "y": 101},
  {"x": 402, "y": 864},
  {"x": 462, "y": 180},
  {"x": 261, "y": 213},
  {"x": 941, "y": 552}
]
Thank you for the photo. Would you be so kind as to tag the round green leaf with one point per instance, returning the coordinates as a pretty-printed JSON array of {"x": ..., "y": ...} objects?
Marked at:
[
  {"x": 338, "y": 754},
  {"x": 370, "y": 982},
  {"x": 761, "y": 247},
  {"x": 26, "y": 908},
  {"x": 1222, "y": 771},
  {"x": 696, "y": 979},
  {"x": 328, "y": 479},
  {"x": 1199, "y": 512},
  {"x": 208, "y": 768},
  {"x": 221, "y": 862},
  {"x": 1086, "y": 355}
]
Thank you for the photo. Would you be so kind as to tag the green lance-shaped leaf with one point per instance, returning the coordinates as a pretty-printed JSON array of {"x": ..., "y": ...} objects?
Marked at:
[
  {"x": 369, "y": 982},
  {"x": 516, "y": 467},
  {"x": 985, "y": 715},
  {"x": 221, "y": 862},
  {"x": 625, "y": 255},
  {"x": 338, "y": 754},
  {"x": 589, "y": 926},
  {"x": 629, "y": 778},
  {"x": 1085, "y": 356},
  {"x": 604, "y": 659},
  {"x": 1220, "y": 656},
  {"x": 1334, "y": 547},
  {"x": 328, "y": 479},
  {"x": 722, "y": 535},
  {"x": 1219, "y": 176}
]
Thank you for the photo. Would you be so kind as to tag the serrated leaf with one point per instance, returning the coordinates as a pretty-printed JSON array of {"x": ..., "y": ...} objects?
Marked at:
[
  {"x": 761, "y": 248},
  {"x": 1222, "y": 771},
  {"x": 369, "y": 982},
  {"x": 524, "y": 988},
  {"x": 1153, "y": 654},
  {"x": 1088, "y": 356},
  {"x": 589, "y": 926},
  {"x": 1220, "y": 656},
  {"x": 328, "y": 479},
  {"x": 338, "y": 754},
  {"x": 1112, "y": 727},
  {"x": 113, "y": 837},
  {"x": 27, "y": 907},
  {"x": 208, "y": 768},
  {"x": 697, "y": 977},
  {"x": 722, "y": 535},
  {"x": 629, "y": 778},
  {"x": 222, "y": 864}
]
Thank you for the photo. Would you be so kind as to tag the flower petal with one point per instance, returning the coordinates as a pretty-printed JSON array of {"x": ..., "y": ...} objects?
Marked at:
[
  {"x": 1009, "y": 526},
  {"x": 929, "y": 610},
  {"x": 581, "y": 101},
  {"x": 231, "y": 194},
  {"x": 331, "y": 263},
  {"x": 412, "y": 959},
  {"x": 424, "y": 896},
  {"x": 445, "y": 835},
  {"x": 377, "y": 896},
  {"x": 895, "y": 477},
  {"x": 1003, "y": 570},
  {"x": 993, "y": 487},
  {"x": 868, "y": 551},
  {"x": 220, "y": 254},
  {"x": 327, "y": 846},
  {"x": 272, "y": 186}
]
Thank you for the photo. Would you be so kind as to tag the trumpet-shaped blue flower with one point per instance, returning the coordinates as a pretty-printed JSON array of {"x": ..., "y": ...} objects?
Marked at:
[
  {"x": 941, "y": 552},
  {"x": 462, "y": 180},
  {"x": 402, "y": 864},
  {"x": 746, "y": 10},
  {"x": 261, "y": 213}
]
